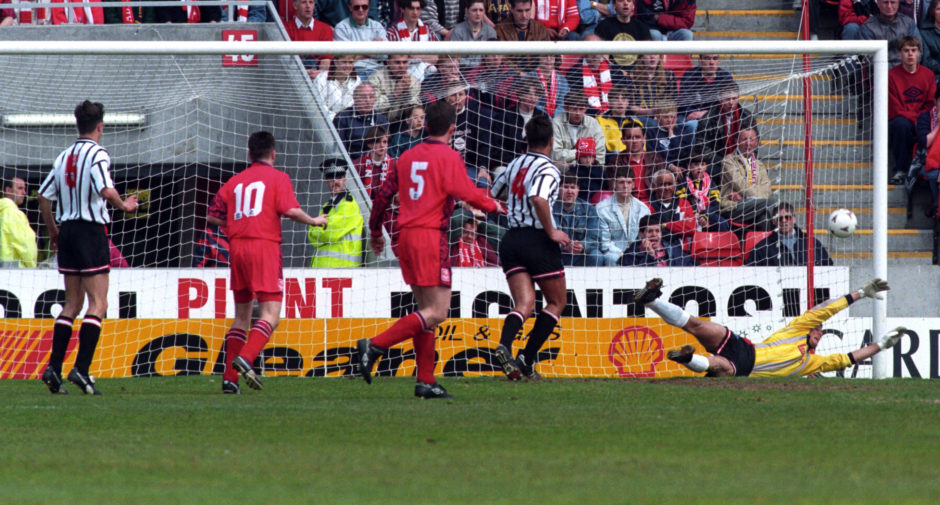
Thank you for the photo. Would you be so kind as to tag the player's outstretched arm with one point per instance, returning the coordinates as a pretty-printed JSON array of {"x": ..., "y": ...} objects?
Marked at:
[
  {"x": 297, "y": 214},
  {"x": 128, "y": 204},
  {"x": 872, "y": 288},
  {"x": 887, "y": 341}
]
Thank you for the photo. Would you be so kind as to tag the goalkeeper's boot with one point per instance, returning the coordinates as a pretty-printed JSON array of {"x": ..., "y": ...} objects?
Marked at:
[
  {"x": 423, "y": 390},
  {"x": 367, "y": 356},
  {"x": 53, "y": 380},
  {"x": 652, "y": 291},
  {"x": 682, "y": 355},
  {"x": 527, "y": 369},
  {"x": 230, "y": 388},
  {"x": 84, "y": 382},
  {"x": 509, "y": 366},
  {"x": 245, "y": 369}
]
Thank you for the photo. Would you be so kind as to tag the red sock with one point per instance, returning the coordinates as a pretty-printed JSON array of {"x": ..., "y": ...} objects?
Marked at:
[
  {"x": 234, "y": 341},
  {"x": 424, "y": 356},
  {"x": 403, "y": 329},
  {"x": 260, "y": 333}
]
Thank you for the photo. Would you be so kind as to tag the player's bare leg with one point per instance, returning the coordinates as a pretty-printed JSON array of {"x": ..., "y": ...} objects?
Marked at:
[
  {"x": 522, "y": 290},
  {"x": 95, "y": 288},
  {"x": 261, "y": 331},
  {"x": 555, "y": 294}
]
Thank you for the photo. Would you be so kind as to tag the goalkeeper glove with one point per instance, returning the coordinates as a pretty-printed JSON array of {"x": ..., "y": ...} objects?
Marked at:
[
  {"x": 888, "y": 340},
  {"x": 872, "y": 289}
]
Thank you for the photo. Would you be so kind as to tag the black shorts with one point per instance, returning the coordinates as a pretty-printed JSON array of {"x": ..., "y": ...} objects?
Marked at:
[
  {"x": 739, "y": 351},
  {"x": 530, "y": 250},
  {"x": 83, "y": 249}
]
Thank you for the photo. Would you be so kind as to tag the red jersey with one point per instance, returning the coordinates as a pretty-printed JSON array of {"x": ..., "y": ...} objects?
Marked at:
[
  {"x": 252, "y": 202},
  {"x": 427, "y": 178},
  {"x": 371, "y": 173},
  {"x": 318, "y": 32}
]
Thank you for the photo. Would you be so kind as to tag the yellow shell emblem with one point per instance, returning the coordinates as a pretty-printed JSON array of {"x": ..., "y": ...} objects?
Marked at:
[{"x": 635, "y": 351}]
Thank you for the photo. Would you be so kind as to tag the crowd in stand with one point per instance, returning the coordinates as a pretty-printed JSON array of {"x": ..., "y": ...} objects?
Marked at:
[{"x": 650, "y": 159}]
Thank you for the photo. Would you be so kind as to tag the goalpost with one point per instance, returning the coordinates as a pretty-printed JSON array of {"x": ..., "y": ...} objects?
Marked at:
[{"x": 178, "y": 115}]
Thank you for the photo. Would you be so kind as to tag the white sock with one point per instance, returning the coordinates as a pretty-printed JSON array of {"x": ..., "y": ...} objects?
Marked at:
[
  {"x": 671, "y": 313},
  {"x": 698, "y": 363}
]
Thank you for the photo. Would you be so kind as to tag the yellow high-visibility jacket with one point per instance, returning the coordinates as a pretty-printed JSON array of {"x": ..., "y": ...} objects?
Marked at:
[
  {"x": 17, "y": 239},
  {"x": 340, "y": 244}
]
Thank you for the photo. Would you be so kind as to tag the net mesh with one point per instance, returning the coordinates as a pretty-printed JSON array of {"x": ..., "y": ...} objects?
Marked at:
[{"x": 169, "y": 306}]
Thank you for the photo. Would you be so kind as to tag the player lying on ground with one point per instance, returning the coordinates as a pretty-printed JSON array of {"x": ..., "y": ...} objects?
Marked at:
[{"x": 787, "y": 352}]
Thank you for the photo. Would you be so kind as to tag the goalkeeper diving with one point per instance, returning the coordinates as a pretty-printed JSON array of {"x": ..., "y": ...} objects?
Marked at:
[{"x": 788, "y": 352}]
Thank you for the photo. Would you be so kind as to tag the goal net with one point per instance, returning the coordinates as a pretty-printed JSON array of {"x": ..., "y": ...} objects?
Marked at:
[{"x": 177, "y": 125}]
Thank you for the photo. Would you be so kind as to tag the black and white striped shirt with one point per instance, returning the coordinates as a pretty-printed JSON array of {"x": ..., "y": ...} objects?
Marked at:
[
  {"x": 78, "y": 176},
  {"x": 528, "y": 175}
]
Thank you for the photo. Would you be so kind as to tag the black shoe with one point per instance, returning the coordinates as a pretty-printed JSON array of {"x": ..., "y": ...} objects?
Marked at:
[
  {"x": 84, "y": 382},
  {"x": 651, "y": 292},
  {"x": 435, "y": 390},
  {"x": 897, "y": 179},
  {"x": 53, "y": 380},
  {"x": 509, "y": 366},
  {"x": 527, "y": 370},
  {"x": 682, "y": 355},
  {"x": 230, "y": 388},
  {"x": 366, "y": 356},
  {"x": 930, "y": 212},
  {"x": 244, "y": 368}
]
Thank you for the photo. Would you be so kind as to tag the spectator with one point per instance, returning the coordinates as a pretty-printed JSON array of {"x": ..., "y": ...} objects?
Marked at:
[
  {"x": 303, "y": 28},
  {"x": 675, "y": 214},
  {"x": 594, "y": 76},
  {"x": 786, "y": 246},
  {"x": 578, "y": 219},
  {"x": 554, "y": 85},
  {"x": 745, "y": 184},
  {"x": 339, "y": 244},
  {"x": 570, "y": 126},
  {"x": 930, "y": 38},
  {"x": 589, "y": 17},
  {"x": 642, "y": 164},
  {"x": 589, "y": 173},
  {"x": 668, "y": 19},
  {"x": 8, "y": 16},
  {"x": 211, "y": 249},
  {"x": 473, "y": 29},
  {"x": 619, "y": 217},
  {"x": 472, "y": 250},
  {"x": 650, "y": 83},
  {"x": 852, "y": 15},
  {"x": 698, "y": 91},
  {"x": 520, "y": 26},
  {"x": 359, "y": 27},
  {"x": 396, "y": 90},
  {"x": 496, "y": 11},
  {"x": 332, "y": 12},
  {"x": 352, "y": 123},
  {"x": 334, "y": 88},
  {"x": 703, "y": 194},
  {"x": 441, "y": 16},
  {"x": 928, "y": 124},
  {"x": 671, "y": 140},
  {"x": 888, "y": 25},
  {"x": 509, "y": 132},
  {"x": 410, "y": 28},
  {"x": 435, "y": 85},
  {"x": 614, "y": 120},
  {"x": 374, "y": 165},
  {"x": 17, "y": 238},
  {"x": 718, "y": 131},
  {"x": 471, "y": 137},
  {"x": 911, "y": 91},
  {"x": 623, "y": 26},
  {"x": 561, "y": 17},
  {"x": 412, "y": 135},
  {"x": 114, "y": 15},
  {"x": 651, "y": 251},
  {"x": 493, "y": 82}
]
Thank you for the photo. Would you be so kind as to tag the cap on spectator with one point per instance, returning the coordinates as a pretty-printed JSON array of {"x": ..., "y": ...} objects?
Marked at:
[
  {"x": 333, "y": 168},
  {"x": 586, "y": 147}
]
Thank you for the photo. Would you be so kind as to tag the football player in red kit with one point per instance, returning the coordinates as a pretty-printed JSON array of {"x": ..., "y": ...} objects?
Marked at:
[
  {"x": 249, "y": 208},
  {"x": 427, "y": 179}
]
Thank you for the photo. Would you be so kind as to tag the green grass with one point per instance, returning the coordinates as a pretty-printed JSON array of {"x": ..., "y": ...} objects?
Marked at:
[{"x": 178, "y": 440}]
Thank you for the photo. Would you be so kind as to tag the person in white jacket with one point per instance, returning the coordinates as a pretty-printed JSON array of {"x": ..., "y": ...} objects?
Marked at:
[
  {"x": 619, "y": 217},
  {"x": 334, "y": 88},
  {"x": 573, "y": 124}
]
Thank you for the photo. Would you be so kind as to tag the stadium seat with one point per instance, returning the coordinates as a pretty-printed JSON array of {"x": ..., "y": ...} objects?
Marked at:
[
  {"x": 752, "y": 239},
  {"x": 716, "y": 248}
]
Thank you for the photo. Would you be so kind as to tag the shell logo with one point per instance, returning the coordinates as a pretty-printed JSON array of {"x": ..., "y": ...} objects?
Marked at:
[{"x": 635, "y": 351}]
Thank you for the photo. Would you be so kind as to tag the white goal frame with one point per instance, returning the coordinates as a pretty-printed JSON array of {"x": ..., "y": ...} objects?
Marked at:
[{"x": 877, "y": 51}]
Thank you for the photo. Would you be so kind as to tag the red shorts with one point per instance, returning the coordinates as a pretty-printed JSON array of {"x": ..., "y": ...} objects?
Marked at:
[
  {"x": 257, "y": 270},
  {"x": 424, "y": 256}
]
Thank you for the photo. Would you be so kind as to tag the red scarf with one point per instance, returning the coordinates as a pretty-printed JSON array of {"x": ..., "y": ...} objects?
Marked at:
[
  {"x": 731, "y": 130},
  {"x": 421, "y": 34},
  {"x": 596, "y": 84},
  {"x": 469, "y": 255},
  {"x": 700, "y": 194},
  {"x": 91, "y": 14},
  {"x": 551, "y": 91},
  {"x": 192, "y": 13}
]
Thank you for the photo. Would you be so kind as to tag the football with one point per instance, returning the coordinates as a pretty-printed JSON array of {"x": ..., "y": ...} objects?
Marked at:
[{"x": 842, "y": 223}]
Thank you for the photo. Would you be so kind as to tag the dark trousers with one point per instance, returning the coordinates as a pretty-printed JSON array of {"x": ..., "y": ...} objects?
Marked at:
[{"x": 901, "y": 138}]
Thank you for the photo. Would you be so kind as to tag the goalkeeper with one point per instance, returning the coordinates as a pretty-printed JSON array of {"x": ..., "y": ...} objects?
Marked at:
[{"x": 787, "y": 352}]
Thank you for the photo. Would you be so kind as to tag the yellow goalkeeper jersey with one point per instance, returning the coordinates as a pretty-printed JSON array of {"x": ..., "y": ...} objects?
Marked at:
[{"x": 786, "y": 352}]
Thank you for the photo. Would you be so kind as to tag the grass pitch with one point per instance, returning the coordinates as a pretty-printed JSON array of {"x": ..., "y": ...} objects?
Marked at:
[{"x": 178, "y": 440}]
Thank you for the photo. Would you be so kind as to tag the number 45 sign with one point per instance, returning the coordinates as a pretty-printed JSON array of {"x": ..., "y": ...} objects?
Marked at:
[{"x": 239, "y": 60}]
